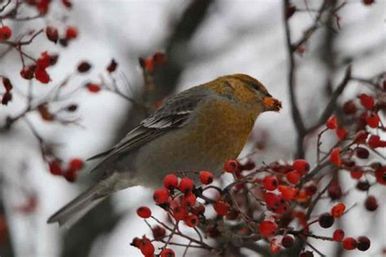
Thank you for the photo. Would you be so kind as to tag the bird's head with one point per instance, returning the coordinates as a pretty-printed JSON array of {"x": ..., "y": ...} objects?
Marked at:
[{"x": 247, "y": 91}]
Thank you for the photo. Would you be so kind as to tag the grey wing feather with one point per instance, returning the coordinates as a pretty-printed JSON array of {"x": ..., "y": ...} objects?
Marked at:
[{"x": 172, "y": 115}]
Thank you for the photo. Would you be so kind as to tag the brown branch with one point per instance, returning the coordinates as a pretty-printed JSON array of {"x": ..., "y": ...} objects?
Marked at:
[
  {"x": 329, "y": 109},
  {"x": 177, "y": 232},
  {"x": 5, "y": 5},
  {"x": 295, "y": 112}
]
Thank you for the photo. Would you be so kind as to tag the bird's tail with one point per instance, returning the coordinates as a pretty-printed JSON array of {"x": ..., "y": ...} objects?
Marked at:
[{"x": 77, "y": 208}]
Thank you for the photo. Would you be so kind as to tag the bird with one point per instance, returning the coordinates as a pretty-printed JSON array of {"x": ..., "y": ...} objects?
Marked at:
[{"x": 197, "y": 129}]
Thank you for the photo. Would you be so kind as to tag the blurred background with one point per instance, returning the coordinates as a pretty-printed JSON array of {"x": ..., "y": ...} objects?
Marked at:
[{"x": 202, "y": 39}]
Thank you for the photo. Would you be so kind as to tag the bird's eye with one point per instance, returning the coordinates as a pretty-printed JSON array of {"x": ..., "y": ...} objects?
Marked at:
[{"x": 261, "y": 89}]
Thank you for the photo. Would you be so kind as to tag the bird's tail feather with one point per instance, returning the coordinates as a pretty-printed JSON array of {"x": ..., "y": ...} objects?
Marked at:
[{"x": 77, "y": 208}]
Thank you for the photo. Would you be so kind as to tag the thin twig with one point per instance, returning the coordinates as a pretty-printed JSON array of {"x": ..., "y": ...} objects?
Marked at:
[
  {"x": 333, "y": 100},
  {"x": 311, "y": 30},
  {"x": 316, "y": 199}
]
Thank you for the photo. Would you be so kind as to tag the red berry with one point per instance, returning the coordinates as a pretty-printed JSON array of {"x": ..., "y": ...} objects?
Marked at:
[
  {"x": 84, "y": 67},
  {"x": 136, "y": 242},
  {"x": 331, "y": 122},
  {"x": 44, "y": 60},
  {"x": 338, "y": 235},
  {"x": 189, "y": 199},
  {"x": 338, "y": 210},
  {"x": 311, "y": 189},
  {"x": 206, "y": 177},
  {"x": 221, "y": 207},
  {"x": 146, "y": 247},
  {"x": 380, "y": 175},
  {"x": 70, "y": 175},
  {"x": 371, "y": 203},
  {"x": 373, "y": 120},
  {"x": 287, "y": 241},
  {"x": 293, "y": 177},
  {"x": 76, "y": 164},
  {"x": 349, "y": 107},
  {"x": 374, "y": 141},
  {"x": 161, "y": 196},
  {"x": 5, "y": 33},
  {"x": 6, "y": 98},
  {"x": 326, "y": 220},
  {"x": 179, "y": 213},
  {"x": 144, "y": 212},
  {"x": 362, "y": 152},
  {"x": 67, "y": 3},
  {"x": 170, "y": 181},
  {"x": 112, "y": 66},
  {"x": 198, "y": 209},
  {"x": 334, "y": 191},
  {"x": 27, "y": 72},
  {"x": 270, "y": 183},
  {"x": 363, "y": 243},
  {"x": 341, "y": 133},
  {"x": 186, "y": 185},
  {"x": 42, "y": 6},
  {"x": 363, "y": 185},
  {"x": 52, "y": 34},
  {"x": 287, "y": 192},
  {"x": 368, "y": 2},
  {"x": 93, "y": 88},
  {"x": 267, "y": 228},
  {"x": 42, "y": 75},
  {"x": 349, "y": 243},
  {"x": 191, "y": 220},
  {"x": 71, "y": 32},
  {"x": 166, "y": 252},
  {"x": 232, "y": 166},
  {"x": 335, "y": 156},
  {"x": 158, "y": 232},
  {"x": 55, "y": 167},
  {"x": 250, "y": 165},
  {"x": 302, "y": 166},
  {"x": 360, "y": 137},
  {"x": 356, "y": 173},
  {"x": 275, "y": 202},
  {"x": 367, "y": 101}
]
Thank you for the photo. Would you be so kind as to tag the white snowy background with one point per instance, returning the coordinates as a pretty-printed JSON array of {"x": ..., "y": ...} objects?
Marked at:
[{"x": 239, "y": 36}]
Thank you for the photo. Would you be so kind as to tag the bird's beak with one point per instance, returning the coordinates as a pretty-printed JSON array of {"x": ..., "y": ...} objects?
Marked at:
[{"x": 271, "y": 104}]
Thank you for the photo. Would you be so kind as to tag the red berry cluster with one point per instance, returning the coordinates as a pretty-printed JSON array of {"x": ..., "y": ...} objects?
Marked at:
[
  {"x": 281, "y": 193},
  {"x": 68, "y": 34},
  {"x": 148, "y": 250},
  {"x": 69, "y": 171}
]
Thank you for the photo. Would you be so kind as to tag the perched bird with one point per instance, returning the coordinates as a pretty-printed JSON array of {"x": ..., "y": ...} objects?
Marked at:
[{"x": 197, "y": 129}]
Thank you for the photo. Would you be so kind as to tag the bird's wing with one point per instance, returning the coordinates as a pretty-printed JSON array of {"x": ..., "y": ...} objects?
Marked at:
[{"x": 173, "y": 114}]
